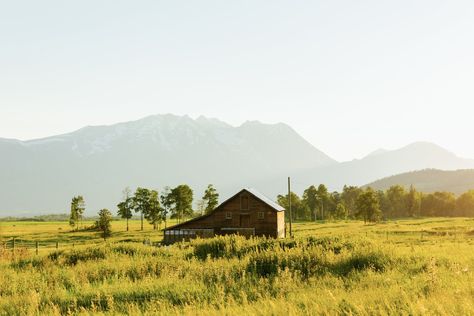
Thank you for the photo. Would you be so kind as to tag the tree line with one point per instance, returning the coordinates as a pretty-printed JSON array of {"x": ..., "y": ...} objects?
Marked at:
[
  {"x": 150, "y": 205},
  {"x": 317, "y": 203}
]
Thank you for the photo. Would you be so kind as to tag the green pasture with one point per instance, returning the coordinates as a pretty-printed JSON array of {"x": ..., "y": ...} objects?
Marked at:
[
  {"x": 402, "y": 267},
  {"x": 403, "y": 232}
]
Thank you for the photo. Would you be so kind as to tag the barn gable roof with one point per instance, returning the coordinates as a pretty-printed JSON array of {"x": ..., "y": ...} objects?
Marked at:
[
  {"x": 253, "y": 192},
  {"x": 265, "y": 199}
]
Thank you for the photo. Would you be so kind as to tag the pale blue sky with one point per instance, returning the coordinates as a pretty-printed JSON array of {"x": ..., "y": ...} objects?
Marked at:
[{"x": 350, "y": 76}]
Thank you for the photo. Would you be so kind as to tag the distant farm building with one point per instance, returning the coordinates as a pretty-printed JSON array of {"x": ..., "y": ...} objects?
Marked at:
[{"x": 247, "y": 213}]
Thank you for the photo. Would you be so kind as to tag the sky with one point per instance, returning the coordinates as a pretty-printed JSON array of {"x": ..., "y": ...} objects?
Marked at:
[{"x": 349, "y": 76}]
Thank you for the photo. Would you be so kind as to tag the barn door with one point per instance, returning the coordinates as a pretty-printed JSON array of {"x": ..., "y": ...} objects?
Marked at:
[{"x": 245, "y": 220}]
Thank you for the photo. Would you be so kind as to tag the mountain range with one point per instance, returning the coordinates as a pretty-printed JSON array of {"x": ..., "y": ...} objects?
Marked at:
[{"x": 166, "y": 150}]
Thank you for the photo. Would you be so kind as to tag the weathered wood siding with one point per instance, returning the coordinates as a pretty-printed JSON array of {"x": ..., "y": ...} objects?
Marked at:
[{"x": 232, "y": 214}]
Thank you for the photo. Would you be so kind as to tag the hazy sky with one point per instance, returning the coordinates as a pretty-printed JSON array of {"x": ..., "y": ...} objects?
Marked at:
[{"x": 350, "y": 76}]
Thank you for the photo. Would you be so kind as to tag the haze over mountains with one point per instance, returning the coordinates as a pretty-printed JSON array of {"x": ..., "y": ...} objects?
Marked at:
[
  {"x": 383, "y": 163},
  {"x": 430, "y": 180},
  {"x": 98, "y": 162}
]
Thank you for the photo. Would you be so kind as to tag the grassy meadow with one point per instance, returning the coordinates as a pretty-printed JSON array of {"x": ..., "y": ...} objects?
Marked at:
[{"x": 408, "y": 267}]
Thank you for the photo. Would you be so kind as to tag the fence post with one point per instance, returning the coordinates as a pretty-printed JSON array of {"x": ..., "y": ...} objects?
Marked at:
[
  {"x": 57, "y": 245},
  {"x": 13, "y": 245},
  {"x": 36, "y": 244}
]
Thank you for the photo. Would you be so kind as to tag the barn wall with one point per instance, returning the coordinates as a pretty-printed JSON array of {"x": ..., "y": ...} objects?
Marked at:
[
  {"x": 272, "y": 225},
  {"x": 281, "y": 225}
]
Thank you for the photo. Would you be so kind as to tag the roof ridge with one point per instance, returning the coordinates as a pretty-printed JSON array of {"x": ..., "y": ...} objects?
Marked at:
[{"x": 252, "y": 191}]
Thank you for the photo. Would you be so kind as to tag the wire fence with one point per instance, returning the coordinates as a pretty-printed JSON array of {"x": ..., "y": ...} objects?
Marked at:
[
  {"x": 13, "y": 244},
  {"x": 423, "y": 235}
]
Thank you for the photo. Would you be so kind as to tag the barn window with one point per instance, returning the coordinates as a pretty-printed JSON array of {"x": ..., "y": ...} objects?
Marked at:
[
  {"x": 261, "y": 215},
  {"x": 244, "y": 202},
  {"x": 228, "y": 215}
]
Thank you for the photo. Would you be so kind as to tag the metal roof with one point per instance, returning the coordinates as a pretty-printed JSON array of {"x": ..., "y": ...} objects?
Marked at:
[
  {"x": 265, "y": 199},
  {"x": 258, "y": 195}
]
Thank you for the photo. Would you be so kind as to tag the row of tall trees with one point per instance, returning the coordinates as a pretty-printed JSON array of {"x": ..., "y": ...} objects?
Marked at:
[
  {"x": 399, "y": 202},
  {"x": 154, "y": 207},
  {"x": 172, "y": 202},
  {"x": 318, "y": 203}
]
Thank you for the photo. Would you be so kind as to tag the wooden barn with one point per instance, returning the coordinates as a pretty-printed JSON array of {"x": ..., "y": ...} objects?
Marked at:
[{"x": 246, "y": 213}]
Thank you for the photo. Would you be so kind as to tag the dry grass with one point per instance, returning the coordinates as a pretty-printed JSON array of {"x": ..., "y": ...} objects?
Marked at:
[{"x": 417, "y": 267}]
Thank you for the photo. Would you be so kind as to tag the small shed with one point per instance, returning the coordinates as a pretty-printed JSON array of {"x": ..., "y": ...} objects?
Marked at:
[{"x": 247, "y": 213}]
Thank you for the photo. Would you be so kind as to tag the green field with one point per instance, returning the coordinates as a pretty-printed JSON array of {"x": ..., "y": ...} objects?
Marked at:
[
  {"x": 409, "y": 267},
  {"x": 47, "y": 234}
]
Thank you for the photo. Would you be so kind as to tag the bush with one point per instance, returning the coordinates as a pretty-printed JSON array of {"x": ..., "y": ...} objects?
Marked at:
[{"x": 74, "y": 256}]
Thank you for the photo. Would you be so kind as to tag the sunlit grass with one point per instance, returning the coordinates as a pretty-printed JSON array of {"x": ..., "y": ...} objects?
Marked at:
[{"x": 417, "y": 267}]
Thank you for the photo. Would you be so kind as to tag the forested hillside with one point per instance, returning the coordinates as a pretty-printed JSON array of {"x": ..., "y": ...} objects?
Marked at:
[{"x": 430, "y": 180}]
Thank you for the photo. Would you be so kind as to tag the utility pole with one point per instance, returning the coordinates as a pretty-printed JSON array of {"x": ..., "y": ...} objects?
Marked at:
[{"x": 289, "y": 204}]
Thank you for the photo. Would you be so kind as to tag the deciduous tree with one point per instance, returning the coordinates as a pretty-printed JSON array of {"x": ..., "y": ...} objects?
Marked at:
[
  {"x": 396, "y": 198},
  {"x": 104, "y": 223},
  {"x": 141, "y": 202},
  {"x": 211, "y": 198},
  {"x": 182, "y": 201},
  {"x": 465, "y": 204},
  {"x": 77, "y": 210},
  {"x": 413, "y": 202},
  {"x": 311, "y": 200},
  {"x": 349, "y": 197},
  {"x": 166, "y": 200},
  {"x": 125, "y": 207},
  {"x": 368, "y": 207},
  {"x": 297, "y": 206},
  {"x": 154, "y": 213}
]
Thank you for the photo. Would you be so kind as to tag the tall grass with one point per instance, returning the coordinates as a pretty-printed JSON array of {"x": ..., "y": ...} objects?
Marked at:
[{"x": 234, "y": 275}]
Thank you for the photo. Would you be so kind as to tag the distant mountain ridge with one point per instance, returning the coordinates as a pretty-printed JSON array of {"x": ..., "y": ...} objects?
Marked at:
[
  {"x": 416, "y": 156},
  {"x": 159, "y": 150},
  {"x": 430, "y": 180},
  {"x": 99, "y": 161}
]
